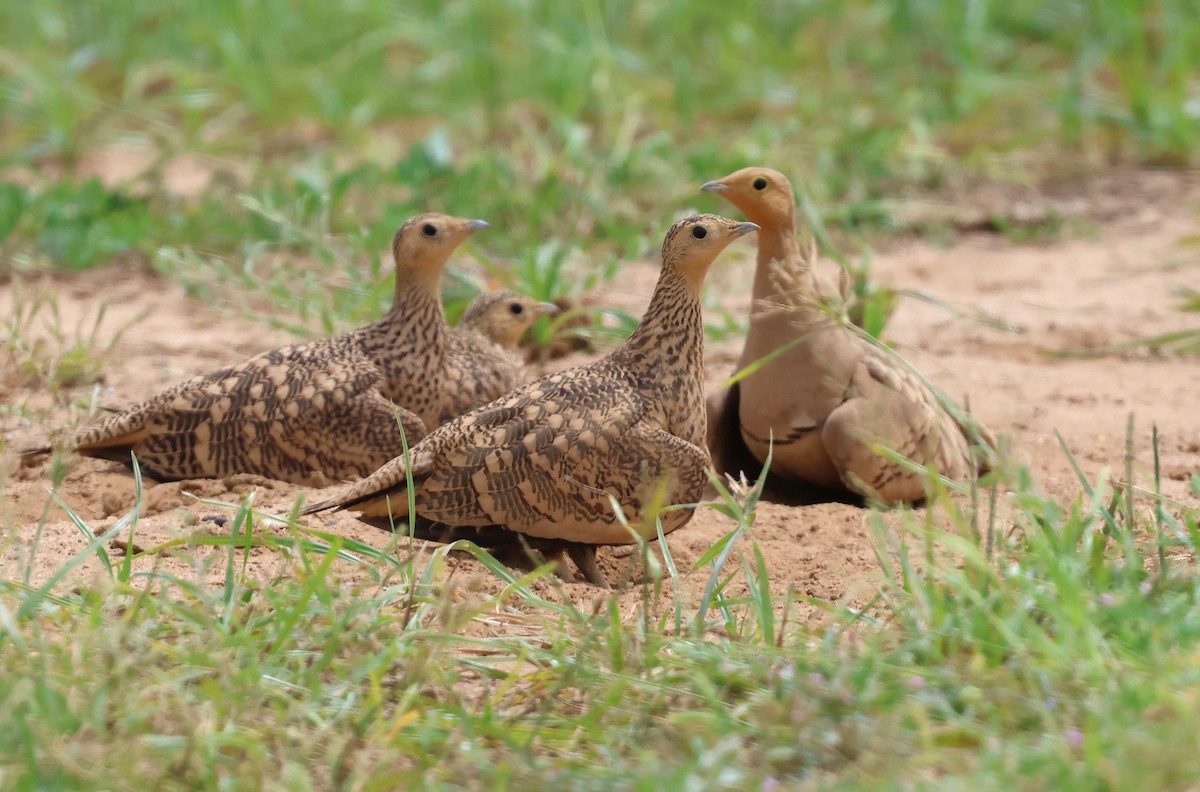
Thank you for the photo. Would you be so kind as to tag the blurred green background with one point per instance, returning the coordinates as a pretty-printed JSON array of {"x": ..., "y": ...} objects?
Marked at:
[{"x": 578, "y": 129}]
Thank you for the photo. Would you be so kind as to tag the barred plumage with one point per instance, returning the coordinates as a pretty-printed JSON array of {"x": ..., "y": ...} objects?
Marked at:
[
  {"x": 548, "y": 460},
  {"x": 483, "y": 361},
  {"x": 310, "y": 413}
]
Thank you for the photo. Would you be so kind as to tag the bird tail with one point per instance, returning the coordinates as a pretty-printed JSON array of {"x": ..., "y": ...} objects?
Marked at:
[
  {"x": 28, "y": 453},
  {"x": 341, "y": 502},
  {"x": 383, "y": 493},
  {"x": 386, "y": 502}
]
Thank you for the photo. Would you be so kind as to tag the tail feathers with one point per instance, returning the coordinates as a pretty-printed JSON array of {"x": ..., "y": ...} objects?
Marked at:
[
  {"x": 320, "y": 506},
  {"x": 122, "y": 442},
  {"x": 316, "y": 508},
  {"x": 374, "y": 501},
  {"x": 93, "y": 443},
  {"x": 115, "y": 448},
  {"x": 384, "y": 493}
]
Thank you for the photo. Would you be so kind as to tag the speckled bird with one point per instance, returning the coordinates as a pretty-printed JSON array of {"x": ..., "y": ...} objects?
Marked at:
[
  {"x": 483, "y": 361},
  {"x": 548, "y": 460},
  {"x": 827, "y": 398},
  {"x": 312, "y": 413}
]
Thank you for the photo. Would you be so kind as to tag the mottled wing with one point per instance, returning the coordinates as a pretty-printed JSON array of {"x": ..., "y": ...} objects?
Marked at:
[
  {"x": 456, "y": 374},
  {"x": 544, "y": 460},
  {"x": 350, "y": 438},
  {"x": 297, "y": 413},
  {"x": 477, "y": 371},
  {"x": 901, "y": 411}
]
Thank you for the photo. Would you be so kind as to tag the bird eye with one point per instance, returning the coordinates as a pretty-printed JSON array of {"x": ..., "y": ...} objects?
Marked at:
[
  {"x": 699, "y": 232},
  {"x": 760, "y": 183},
  {"x": 516, "y": 309},
  {"x": 429, "y": 230}
]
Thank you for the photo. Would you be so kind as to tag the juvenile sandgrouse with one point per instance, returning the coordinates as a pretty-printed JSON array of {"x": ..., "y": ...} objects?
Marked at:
[
  {"x": 830, "y": 394},
  {"x": 483, "y": 361},
  {"x": 548, "y": 460},
  {"x": 311, "y": 413}
]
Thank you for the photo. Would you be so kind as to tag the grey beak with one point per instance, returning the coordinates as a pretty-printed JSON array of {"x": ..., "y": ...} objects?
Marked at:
[
  {"x": 714, "y": 186},
  {"x": 744, "y": 228},
  {"x": 477, "y": 225},
  {"x": 548, "y": 309}
]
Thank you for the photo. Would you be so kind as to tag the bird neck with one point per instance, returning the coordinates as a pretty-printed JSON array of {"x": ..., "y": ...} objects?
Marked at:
[
  {"x": 673, "y": 315},
  {"x": 408, "y": 344},
  {"x": 666, "y": 351},
  {"x": 777, "y": 248},
  {"x": 417, "y": 300},
  {"x": 417, "y": 286}
]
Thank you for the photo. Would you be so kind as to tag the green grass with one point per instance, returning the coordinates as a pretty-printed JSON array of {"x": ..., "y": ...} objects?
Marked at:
[
  {"x": 40, "y": 352},
  {"x": 1058, "y": 652},
  {"x": 1178, "y": 343}
]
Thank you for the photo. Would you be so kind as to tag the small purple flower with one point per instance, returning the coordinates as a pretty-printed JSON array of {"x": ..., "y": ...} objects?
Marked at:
[
  {"x": 916, "y": 682},
  {"x": 770, "y": 784},
  {"x": 1074, "y": 738},
  {"x": 1106, "y": 599}
]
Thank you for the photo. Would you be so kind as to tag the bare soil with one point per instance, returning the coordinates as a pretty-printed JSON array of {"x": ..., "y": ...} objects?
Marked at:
[{"x": 1110, "y": 285}]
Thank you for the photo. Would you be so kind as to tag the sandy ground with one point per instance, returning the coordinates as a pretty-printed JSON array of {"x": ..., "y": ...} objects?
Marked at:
[{"x": 1111, "y": 285}]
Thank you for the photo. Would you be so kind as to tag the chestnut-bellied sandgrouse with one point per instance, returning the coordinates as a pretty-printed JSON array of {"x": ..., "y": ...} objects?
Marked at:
[
  {"x": 548, "y": 461},
  {"x": 483, "y": 361},
  {"x": 312, "y": 413},
  {"x": 826, "y": 399}
]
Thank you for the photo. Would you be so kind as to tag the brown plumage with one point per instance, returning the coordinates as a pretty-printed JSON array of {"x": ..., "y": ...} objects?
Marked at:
[
  {"x": 310, "y": 413},
  {"x": 831, "y": 394},
  {"x": 483, "y": 361},
  {"x": 547, "y": 460}
]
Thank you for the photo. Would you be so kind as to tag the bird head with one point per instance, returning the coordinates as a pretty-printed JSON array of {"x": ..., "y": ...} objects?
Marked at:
[
  {"x": 763, "y": 195},
  {"x": 694, "y": 242},
  {"x": 504, "y": 316},
  {"x": 424, "y": 244}
]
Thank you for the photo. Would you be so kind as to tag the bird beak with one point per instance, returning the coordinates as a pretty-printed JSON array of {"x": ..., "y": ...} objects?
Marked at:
[
  {"x": 477, "y": 225},
  {"x": 548, "y": 308},
  {"x": 742, "y": 229},
  {"x": 714, "y": 186}
]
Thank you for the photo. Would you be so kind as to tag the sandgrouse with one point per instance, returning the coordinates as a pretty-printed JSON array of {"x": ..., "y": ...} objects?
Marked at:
[
  {"x": 311, "y": 413},
  {"x": 825, "y": 399},
  {"x": 548, "y": 460},
  {"x": 482, "y": 359}
]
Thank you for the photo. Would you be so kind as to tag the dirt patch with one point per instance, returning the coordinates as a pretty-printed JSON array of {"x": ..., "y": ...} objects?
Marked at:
[{"x": 1078, "y": 294}]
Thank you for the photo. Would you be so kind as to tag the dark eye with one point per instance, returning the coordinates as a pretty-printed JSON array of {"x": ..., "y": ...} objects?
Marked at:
[
  {"x": 699, "y": 232},
  {"x": 429, "y": 230},
  {"x": 760, "y": 183},
  {"x": 516, "y": 309}
]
